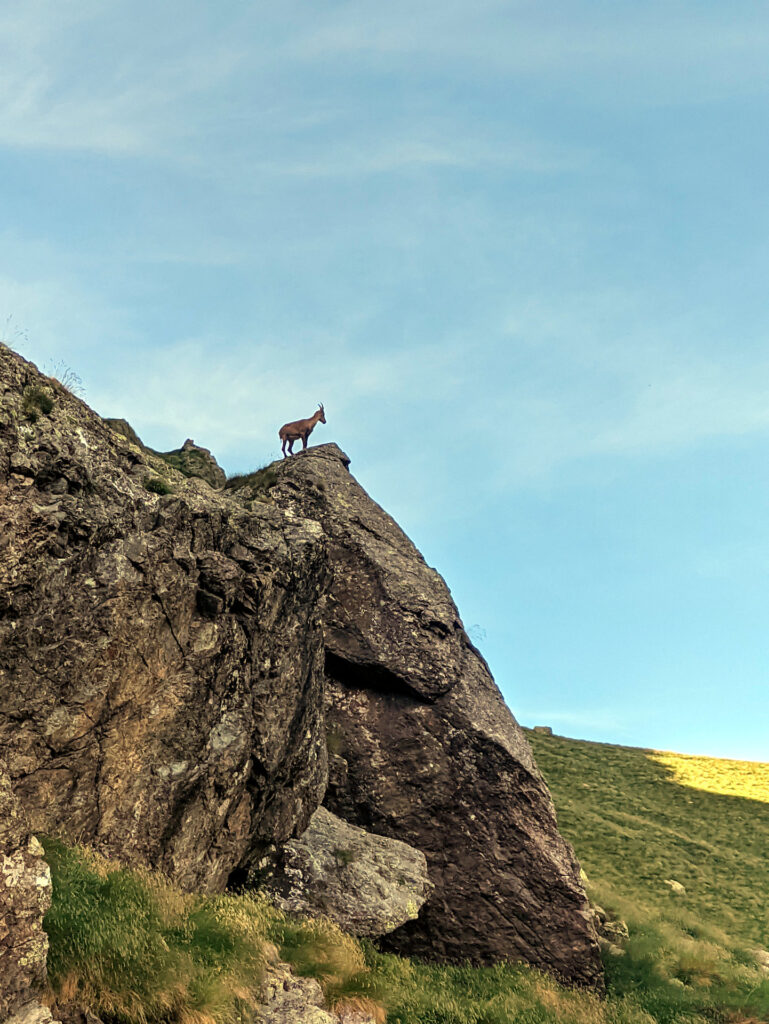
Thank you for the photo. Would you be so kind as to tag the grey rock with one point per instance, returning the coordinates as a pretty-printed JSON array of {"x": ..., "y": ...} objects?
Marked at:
[
  {"x": 543, "y": 730},
  {"x": 610, "y": 947},
  {"x": 25, "y": 895},
  {"x": 124, "y": 428},
  {"x": 368, "y": 884},
  {"x": 32, "y": 1013},
  {"x": 288, "y": 999},
  {"x": 615, "y": 930},
  {"x": 161, "y": 657},
  {"x": 353, "y": 1015},
  {"x": 192, "y": 460},
  {"x": 72, "y": 1013},
  {"x": 164, "y": 683},
  {"x": 675, "y": 887},
  {"x": 427, "y": 750}
]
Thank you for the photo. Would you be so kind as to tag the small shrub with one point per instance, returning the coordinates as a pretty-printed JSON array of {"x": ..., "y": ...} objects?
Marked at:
[
  {"x": 344, "y": 857},
  {"x": 36, "y": 401},
  {"x": 156, "y": 485}
]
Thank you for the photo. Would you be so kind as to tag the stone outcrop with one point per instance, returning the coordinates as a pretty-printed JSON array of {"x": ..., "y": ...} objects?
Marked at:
[
  {"x": 289, "y": 999},
  {"x": 25, "y": 895},
  {"x": 189, "y": 460},
  {"x": 35, "y": 1013},
  {"x": 368, "y": 884},
  {"x": 192, "y": 460},
  {"x": 292, "y": 1000},
  {"x": 428, "y": 752},
  {"x": 161, "y": 658}
]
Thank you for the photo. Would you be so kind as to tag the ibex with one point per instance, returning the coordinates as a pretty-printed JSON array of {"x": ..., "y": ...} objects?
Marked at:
[{"x": 291, "y": 432}]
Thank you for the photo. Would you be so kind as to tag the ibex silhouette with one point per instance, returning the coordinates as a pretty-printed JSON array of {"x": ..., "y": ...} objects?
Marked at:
[{"x": 291, "y": 432}]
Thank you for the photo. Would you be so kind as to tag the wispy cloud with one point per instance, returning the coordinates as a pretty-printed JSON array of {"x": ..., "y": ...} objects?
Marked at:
[
  {"x": 687, "y": 54},
  {"x": 76, "y": 77}
]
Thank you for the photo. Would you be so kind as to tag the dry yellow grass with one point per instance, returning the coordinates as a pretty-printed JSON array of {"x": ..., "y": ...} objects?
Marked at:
[{"x": 748, "y": 779}]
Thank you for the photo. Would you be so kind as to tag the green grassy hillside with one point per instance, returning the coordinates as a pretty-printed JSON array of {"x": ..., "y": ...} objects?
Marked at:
[
  {"x": 640, "y": 820},
  {"x": 136, "y": 951}
]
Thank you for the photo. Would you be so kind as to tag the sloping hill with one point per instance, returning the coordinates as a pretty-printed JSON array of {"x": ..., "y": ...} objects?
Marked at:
[{"x": 642, "y": 820}]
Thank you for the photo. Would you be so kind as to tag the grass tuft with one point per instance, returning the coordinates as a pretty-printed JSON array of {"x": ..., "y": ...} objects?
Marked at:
[
  {"x": 335, "y": 741},
  {"x": 156, "y": 485},
  {"x": 36, "y": 401},
  {"x": 67, "y": 377},
  {"x": 258, "y": 482},
  {"x": 129, "y": 946}
]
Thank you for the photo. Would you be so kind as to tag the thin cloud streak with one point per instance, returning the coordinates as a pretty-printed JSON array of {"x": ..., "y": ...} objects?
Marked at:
[{"x": 645, "y": 401}]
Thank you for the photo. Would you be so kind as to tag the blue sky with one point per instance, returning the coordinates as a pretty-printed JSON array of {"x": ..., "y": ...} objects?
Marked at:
[{"x": 520, "y": 251}]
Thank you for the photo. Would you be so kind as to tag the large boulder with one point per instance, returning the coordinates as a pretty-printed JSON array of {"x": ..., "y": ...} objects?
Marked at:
[
  {"x": 161, "y": 656},
  {"x": 25, "y": 895},
  {"x": 368, "y": 884},
  {"x": 426, "y": 749}
]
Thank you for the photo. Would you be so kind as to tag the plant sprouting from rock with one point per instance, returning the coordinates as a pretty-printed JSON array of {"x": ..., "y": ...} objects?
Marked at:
[
  {"x": 156, "y": 485},
  {"x": 37, "y": 401},
  {"x": 67, "y": 377}
]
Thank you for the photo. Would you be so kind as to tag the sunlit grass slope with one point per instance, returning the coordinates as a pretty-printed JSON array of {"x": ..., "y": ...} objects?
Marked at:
[{"x": 640, "y": 820}]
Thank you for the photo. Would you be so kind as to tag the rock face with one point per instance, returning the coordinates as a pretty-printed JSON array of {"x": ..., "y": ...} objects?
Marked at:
[
  {"x": 25, "y": 895},
  {"x": 161, "y": 658},
  {"x": 289, "y": 999},
  {"x": 368, "y": 884},
  {"x": 428, "y": 752}
]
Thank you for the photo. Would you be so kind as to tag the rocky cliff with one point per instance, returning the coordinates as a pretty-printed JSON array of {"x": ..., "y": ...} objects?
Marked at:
[
  {"x": 176, "y": 660},
  {"x": 161, "y": 658}
]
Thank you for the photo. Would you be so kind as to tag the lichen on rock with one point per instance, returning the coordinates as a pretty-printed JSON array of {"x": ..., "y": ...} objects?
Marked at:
[{"x": 25, "y": 895}]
